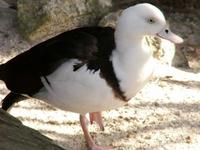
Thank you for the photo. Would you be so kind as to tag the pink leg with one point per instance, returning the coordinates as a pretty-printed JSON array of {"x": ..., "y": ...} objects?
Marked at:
[
  {"x": 96, "y": 117},
  {"x": 91, "y": 144}
]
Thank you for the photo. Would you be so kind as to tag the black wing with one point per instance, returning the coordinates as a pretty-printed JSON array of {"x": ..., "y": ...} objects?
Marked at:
[{"x": 90, "y": 45}]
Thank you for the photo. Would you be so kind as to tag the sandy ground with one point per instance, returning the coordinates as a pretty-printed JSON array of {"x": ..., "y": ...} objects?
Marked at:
[{"x": 165, "y": 115}]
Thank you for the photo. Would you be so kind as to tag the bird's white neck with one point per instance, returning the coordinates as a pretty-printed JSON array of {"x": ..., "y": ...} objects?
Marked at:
[{"x": 132, "y": 63}]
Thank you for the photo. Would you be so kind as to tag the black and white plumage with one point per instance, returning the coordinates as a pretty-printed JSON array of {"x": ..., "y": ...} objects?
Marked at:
[
  {"x": 89, "y": 69},
  {"x": 84, "y": 51}
]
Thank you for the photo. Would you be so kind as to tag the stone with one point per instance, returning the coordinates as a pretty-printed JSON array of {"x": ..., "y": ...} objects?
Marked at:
[
  {"x": 41, "y": 19},
  {"x": 11, "y": 2},
  {"x": 3, "y": 4},
  {"x": 180, "y": 59},
  {"x": 187, "y": 25},
  {"x": 110, "y": 19},
  {"x": 15, "y": 136},
  {"x": 180, "y": 4},
  {"x": 11, "y": 43}
]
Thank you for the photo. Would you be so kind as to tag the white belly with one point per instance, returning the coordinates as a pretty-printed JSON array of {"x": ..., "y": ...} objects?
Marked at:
[{"x": 78, "y": 91}]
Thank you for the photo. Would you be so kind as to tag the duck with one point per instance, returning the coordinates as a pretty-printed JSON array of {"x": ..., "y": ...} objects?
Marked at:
[{"x": 89, "y": 69}]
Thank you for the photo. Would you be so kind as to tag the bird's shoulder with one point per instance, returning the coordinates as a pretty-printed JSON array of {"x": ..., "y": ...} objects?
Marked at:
[{"x": 85, "y": 44}]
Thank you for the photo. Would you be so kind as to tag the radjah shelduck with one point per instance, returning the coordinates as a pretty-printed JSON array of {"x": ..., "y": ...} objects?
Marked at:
[{"x": 89, "y": 69}]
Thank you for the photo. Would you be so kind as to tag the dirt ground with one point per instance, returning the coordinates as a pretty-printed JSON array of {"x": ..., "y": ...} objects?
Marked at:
[{"x": 165, "y": 115}]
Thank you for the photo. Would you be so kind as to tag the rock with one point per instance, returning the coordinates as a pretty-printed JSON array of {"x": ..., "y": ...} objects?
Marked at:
[
  {"x": 163, "y": 50},
  {"x": 15, "y": 136},
  {"x": 39, "y": 19},
  {"x": 194, "y": 39},
  {"x": 110, "y": 19},
  {"x": 180, "y": 59},
  {"x": 3, "y": 4},
  {"x": 10, "y": 41},
  {"x": 119, "y": 4},
  {"x": 11, "y": 2},
  {"x": 187, "y": 25},
  {"x": 180, "y": 4}
]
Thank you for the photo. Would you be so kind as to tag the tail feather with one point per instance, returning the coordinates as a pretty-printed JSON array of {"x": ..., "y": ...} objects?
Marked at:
[
  {"x": 10, "y": 100},
  {"x": 2, "y": 72}
]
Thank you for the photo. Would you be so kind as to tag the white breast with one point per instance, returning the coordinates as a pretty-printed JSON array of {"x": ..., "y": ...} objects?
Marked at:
[
  {"x": 78, "y": 91},
  {"x": 133, "y": 66}
]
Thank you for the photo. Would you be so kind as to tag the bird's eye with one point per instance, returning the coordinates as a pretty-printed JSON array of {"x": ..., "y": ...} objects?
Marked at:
[{"x": 151, "y": 20}]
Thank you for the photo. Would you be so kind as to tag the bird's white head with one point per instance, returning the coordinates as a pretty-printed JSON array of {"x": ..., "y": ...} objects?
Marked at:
[{"x": 144, "y": 19}]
